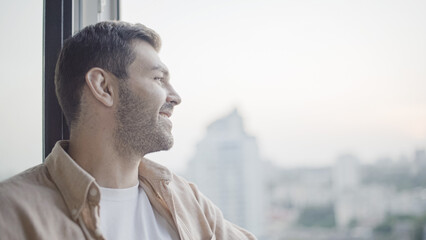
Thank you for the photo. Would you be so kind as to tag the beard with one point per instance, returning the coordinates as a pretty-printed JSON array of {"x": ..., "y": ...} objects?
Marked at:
[{"x": 140, "y": 129}]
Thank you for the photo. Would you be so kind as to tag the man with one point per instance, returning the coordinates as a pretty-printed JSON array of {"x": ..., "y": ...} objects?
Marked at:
[{"x": 117, "y": 99}]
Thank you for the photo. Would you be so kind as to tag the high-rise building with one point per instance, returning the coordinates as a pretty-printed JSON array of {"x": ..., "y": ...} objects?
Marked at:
[
  {"x": 226, "y": 167},
  {"x": 346, "y": 174},
  {"x": 420, "y": 158}
]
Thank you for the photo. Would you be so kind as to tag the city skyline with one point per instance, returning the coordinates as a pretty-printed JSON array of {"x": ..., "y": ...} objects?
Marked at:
[{"x": 345, "y": 200}]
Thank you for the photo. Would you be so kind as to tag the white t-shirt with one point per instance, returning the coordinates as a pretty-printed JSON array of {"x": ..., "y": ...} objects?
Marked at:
[{"x": 128, "y": 214}]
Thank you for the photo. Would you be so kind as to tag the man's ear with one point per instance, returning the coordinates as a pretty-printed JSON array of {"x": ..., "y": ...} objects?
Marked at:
[{"x": 100, "y": 84}]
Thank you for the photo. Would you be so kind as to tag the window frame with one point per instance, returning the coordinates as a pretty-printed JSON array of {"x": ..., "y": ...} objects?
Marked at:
[{"x": 62, "y": 18}]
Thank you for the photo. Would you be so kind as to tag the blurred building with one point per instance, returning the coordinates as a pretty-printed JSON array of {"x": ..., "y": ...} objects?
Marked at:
[
  {"x": 346, "y": 173},
  {"x": 369, "y": 204},
  {"x": 227, "y": 168},
  {"x": 420, "y": 159}
]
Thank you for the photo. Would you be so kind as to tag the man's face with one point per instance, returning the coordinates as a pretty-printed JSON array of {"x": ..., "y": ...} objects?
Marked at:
[{"x": 146, "y": 101}]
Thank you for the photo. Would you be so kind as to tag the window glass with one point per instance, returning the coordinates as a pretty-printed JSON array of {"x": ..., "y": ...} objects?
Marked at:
[
  {"x": 327, "y": 97},
  {"x": 21, "y": 86},
  {"x": 310, "y": 79}
]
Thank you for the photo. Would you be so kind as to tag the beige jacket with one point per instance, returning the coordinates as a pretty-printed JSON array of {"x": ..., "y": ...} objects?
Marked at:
[{"x": 59, "y": 200}]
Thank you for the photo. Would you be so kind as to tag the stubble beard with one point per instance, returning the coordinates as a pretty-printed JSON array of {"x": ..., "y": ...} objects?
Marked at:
[{"x": 139, "y": 130}]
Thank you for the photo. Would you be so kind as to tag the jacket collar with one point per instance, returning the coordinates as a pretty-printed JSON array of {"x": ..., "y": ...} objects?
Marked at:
[
  {"x": 154, "y": 171},
  {"x": 74, "y": 182}
]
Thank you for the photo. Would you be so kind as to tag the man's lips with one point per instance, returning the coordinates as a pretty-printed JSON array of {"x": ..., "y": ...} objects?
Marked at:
[
  {"x": 166, "y": 110},
  {"x": 166, "y": 114}
]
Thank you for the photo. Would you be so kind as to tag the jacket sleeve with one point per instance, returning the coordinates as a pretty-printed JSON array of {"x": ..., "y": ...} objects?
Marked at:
[{"x": 222, "y": 228}]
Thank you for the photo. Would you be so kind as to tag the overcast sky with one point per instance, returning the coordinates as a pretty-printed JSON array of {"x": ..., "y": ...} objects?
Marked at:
[{"x": 312, "y": 79}]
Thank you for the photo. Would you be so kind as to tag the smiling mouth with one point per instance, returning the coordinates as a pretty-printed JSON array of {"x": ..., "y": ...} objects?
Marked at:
[{"x": 166, "y": 115}]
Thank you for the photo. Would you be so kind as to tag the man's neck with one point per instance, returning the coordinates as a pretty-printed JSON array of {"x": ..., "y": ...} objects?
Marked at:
[{"x": 96, "y": 154}]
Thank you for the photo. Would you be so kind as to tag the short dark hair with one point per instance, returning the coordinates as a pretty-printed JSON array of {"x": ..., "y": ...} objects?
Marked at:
[{"x": 107, "y": 45}]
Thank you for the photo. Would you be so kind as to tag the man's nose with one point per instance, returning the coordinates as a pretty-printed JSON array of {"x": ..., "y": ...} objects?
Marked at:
[{"x": 173, "y": 97}]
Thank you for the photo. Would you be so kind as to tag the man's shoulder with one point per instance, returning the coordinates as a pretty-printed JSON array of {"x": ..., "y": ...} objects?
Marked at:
[
  {"x": 31, "y": 205},
  {"x": 26, "y": 187},
  {"x": 27, "y": 179},
  {"x": 191, "y": 203}
]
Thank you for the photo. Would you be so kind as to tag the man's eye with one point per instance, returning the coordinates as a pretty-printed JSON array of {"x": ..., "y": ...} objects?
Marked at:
[{"x": 159, "y": 79}]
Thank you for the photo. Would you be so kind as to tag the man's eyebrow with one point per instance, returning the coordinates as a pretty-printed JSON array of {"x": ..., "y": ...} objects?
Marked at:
[{"x": 160, "y": 68}]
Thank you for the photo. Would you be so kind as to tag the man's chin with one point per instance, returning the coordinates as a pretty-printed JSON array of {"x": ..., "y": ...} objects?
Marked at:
[
  {"x": 163, "y": 145},
  {"x": 167, "y": 145},
  {"x": 155, "y": 151}
]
